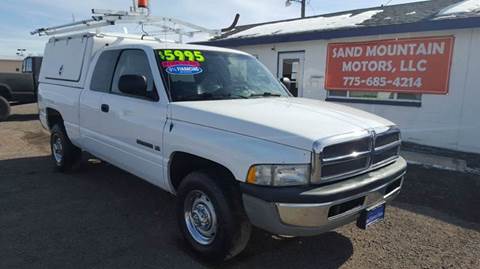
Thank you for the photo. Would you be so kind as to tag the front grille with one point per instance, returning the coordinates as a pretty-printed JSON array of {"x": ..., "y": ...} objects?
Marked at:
[
  {"x": 345, "y": 156},
  {"x": 385, "y": 155},
  {"x": 346, "y": 148},
  {"x": 345, "y": 167},
  {"x": 387, "y": 147},
  {"x": 386, "y": 138}
]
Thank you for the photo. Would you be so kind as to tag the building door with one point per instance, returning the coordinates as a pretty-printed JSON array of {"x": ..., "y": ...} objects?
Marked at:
[{"x": 290, "y": 65}]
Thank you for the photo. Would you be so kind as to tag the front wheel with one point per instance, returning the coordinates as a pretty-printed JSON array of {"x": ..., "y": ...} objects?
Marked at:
[
  {"x": 4, "y": 108},
  {"x": 64, "y": 153},
  {"x": 211, "y": 218}
]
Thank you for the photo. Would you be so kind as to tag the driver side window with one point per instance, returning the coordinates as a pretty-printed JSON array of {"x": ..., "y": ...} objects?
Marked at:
[{"x": 133, "y": 62}]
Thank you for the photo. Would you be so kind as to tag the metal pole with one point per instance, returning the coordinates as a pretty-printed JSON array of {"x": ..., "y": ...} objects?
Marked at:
[
  {"x": 134, "y": 7},
  {"x": 304, "y": 2}
]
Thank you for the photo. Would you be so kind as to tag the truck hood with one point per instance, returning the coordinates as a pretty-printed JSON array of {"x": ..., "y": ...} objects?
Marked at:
[{"x": 296, "y": 122}]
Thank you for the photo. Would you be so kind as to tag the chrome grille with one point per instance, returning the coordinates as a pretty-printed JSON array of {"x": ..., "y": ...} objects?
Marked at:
[
  {"x": 351, "y": 154},
  {"x": 342, "y": 150},
  {"x": 387, "y": 147},
  {"x": 344, "y": 167},
  {"x": 386, "y": 138},
  {"x": 346, "y": 157}
]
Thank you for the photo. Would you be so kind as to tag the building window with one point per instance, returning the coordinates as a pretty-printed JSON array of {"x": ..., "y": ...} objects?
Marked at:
[{"x": 388, "y": 98}]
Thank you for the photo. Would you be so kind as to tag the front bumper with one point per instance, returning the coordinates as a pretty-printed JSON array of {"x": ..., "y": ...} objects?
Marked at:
[{"x": 306, "y": 211}]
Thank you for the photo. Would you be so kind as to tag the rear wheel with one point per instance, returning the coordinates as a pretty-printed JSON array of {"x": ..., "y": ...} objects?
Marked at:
[
  {"x": 211, "y": 218},
  {"x": 64, "y": 153},
  {"x": 4, "y": 108}
]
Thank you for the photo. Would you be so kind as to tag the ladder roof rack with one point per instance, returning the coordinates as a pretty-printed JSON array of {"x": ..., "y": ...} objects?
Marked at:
[{"x": 103, "y": 18}]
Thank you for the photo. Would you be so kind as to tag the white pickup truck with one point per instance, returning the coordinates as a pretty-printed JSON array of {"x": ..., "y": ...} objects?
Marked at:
[{"x": 215, "y": 128}]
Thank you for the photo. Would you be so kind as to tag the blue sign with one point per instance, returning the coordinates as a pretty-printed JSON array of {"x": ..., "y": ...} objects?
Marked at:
[
  {"x": 375, "y": 215},
  {"x": 184, "y": 70}
]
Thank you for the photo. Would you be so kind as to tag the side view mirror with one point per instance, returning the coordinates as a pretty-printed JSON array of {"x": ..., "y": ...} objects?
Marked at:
[
  {"x": 286, "y": 81},
  {"x": 133, "y": 85}
]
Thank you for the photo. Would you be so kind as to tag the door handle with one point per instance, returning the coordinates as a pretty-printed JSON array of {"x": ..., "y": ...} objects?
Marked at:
[{"x": 105, "y": 108}]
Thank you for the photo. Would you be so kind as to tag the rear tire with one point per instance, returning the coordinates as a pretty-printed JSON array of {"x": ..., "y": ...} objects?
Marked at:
[
  {"x": 211, "y": 218},
  {"x": 64, "y": 154},
  {"x": 4, "y": 108}
]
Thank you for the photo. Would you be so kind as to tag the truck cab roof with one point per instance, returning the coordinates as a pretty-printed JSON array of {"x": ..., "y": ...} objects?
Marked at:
[{"x": 120, "y": 40}]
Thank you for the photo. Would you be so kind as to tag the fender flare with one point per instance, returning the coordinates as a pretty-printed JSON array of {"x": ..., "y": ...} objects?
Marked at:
[{"x": 5, "y": 91}]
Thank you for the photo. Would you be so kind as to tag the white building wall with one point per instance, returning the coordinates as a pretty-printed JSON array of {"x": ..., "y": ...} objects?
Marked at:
[
  {"x": 469, "y": 125},
  {"x": 448, "y": 121}
]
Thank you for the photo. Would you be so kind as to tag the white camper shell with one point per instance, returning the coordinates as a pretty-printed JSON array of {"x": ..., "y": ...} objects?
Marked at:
[{"x": 67, "y": 59}]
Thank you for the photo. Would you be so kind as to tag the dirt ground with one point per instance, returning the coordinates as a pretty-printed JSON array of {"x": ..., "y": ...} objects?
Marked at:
[{"x": 102, "y": 217}]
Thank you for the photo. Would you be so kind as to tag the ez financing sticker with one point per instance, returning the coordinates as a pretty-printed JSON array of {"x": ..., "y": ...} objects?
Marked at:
[{"x": 182, "y": 68}]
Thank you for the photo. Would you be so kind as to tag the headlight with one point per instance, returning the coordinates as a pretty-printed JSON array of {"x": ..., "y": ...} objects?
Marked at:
[{"x": 279, "y": 175}]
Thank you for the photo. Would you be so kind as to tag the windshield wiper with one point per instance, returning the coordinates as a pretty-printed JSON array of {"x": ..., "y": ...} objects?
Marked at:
[
  {"x": 237, "y": 95},
  {"x": 210, "y": 96},
  {"x": 265, "y": 94}
]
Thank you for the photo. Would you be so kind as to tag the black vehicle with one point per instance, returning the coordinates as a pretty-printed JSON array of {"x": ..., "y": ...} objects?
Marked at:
[{"x": 19, "y": 88}]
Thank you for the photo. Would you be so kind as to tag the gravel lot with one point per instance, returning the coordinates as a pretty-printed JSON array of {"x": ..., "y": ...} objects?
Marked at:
[{"x": 102, "y": 217}]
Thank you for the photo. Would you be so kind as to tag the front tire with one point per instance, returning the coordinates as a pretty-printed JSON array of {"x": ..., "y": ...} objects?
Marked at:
[
  {"x": 4, "y": 108},
  {"x": 64, "y": 154},
  {"x": 211, "y": 217}
]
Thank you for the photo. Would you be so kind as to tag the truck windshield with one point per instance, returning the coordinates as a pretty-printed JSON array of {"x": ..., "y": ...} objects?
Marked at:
[{"x": 198, "y": 75}]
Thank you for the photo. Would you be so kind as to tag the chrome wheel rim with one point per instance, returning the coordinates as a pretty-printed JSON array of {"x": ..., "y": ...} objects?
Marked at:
[
  {"x": 57, "y": 149},
  {"x": 200, "y": 217}
]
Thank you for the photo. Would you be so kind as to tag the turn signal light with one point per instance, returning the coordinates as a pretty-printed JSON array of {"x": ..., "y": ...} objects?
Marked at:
[{"x": 251, "y": 177}]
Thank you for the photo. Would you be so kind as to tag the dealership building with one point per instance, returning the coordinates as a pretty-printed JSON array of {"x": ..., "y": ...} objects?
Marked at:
[{"x": 417, "y": 64}]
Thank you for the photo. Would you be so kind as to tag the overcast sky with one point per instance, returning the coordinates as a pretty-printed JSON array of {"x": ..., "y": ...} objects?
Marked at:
[{"x": 19, "y": 17}]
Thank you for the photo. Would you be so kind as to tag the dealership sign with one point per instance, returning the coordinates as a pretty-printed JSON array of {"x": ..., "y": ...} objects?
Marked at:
[{"x": 411, "y": 65}]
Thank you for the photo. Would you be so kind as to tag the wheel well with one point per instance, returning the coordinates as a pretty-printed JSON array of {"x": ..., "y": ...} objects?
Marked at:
[
  {"x": 182, "y": 164},
  {"x": 5, "y": 92},
  {"x": 53, "y": 117}
]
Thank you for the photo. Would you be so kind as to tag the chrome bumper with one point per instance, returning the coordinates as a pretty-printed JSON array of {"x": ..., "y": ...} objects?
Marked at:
[{"x": 304, "y": 219}]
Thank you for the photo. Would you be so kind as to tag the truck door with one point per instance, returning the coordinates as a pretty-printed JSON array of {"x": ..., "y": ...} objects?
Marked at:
[
  {"x": 93, "y": 121},
  {"x": 134, "y": 122}
]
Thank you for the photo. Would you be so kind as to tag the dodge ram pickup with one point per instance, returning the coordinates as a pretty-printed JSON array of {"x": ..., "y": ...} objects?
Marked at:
[{"x": 215, "y": 128}]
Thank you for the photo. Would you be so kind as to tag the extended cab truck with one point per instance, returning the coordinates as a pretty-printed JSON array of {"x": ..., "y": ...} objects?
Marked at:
[
  {"x": 19, "y": 88},
  {"x": 215, "y": 128}
]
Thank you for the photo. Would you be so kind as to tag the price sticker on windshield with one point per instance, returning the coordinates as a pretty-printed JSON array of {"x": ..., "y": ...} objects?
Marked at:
[
  {"x": 181, "y": 55},
  {"x": 181, "y": 62}
]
